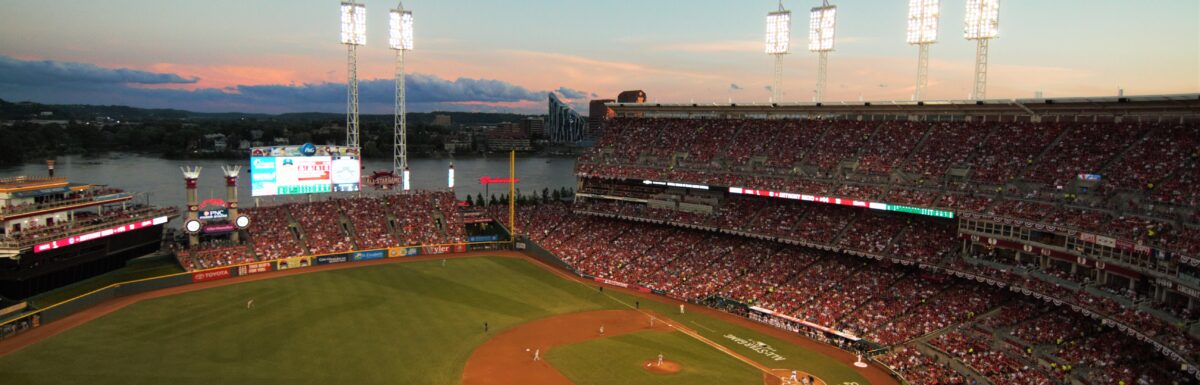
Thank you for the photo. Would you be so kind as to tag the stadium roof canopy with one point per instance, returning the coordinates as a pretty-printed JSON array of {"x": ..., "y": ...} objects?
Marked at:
[{"x": 1182, "y": 106}]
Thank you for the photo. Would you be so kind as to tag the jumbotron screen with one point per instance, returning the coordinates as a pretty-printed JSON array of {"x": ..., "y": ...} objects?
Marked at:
[{"x": 303, "y": 170}]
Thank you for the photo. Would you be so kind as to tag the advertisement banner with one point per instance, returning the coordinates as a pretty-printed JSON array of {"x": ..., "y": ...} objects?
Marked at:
[
  {"x": 368, "y": 255},
  {"x": 397, "y": 252},
  {"x": 483, "y": 238},
  {"x": 218, "y": 229},
  {"x": 211, "y": 275},
  {"x": 460, "y": 248},
  {"x": 328, "y": 259},
  {"x": 611, "y": 282},
  {"x": 214, "y": 214},
  {"x": 434, "y": 250},
  {"x": 255, "y": 268},
  {"x": 293, "y": 263}
]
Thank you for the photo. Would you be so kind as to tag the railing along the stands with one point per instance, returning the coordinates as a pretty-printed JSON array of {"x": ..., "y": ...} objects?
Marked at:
[
  {"x": 22, "y": 209},
  {"x": 66, "y": 229}
]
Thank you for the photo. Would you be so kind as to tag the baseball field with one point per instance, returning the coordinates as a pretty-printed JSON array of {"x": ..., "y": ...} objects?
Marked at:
[{"x": 416, "y": 322}]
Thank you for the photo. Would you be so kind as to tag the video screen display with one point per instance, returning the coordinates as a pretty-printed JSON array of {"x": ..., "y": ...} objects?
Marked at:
[{"x": 290, "y": 175}]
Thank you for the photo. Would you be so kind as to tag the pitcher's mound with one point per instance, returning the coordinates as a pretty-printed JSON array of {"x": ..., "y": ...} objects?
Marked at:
[{"x": 667, "y": 367}]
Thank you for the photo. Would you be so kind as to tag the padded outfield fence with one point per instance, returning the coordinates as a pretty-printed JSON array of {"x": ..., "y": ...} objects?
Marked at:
[{"x": 34, "y": 319}]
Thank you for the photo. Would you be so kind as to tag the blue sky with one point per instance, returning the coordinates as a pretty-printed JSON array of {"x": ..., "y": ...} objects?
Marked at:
[{"x": 283, "y": 56}]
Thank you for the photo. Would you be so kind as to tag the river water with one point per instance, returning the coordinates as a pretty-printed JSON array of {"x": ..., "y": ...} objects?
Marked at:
[{"x": 162, "y": 182}]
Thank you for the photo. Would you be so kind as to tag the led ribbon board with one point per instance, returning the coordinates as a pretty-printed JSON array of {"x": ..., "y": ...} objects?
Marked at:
[
  {"x": 844, "y": 202},
  {"x": 68, "y": 241}
]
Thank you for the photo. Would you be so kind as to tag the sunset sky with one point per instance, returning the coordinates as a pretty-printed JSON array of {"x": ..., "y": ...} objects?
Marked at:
[{"x": 283, "y": 56}]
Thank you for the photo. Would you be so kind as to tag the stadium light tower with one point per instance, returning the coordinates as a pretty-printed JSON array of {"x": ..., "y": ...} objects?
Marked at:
[
  {"x": 400, "y": 39},
  {"x": 821, "y": 25},
  {"x": 922, "y": 31},
  {"x": 354, "y": 34},
  {"x": 982, "y": 25},
  {"x": 779, "y": 25}
]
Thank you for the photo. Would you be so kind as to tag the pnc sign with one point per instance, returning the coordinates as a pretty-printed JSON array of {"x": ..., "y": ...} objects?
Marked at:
[{"x": 486, "y": 180}]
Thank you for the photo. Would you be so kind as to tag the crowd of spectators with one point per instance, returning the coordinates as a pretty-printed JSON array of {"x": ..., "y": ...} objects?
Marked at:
[
  {"x": 323, "y": 227},
  {"x": 371, "y": 230},
  {"x": 214, "y": 254},
  {"x": 1155, "y": 161},
  {"x": 920, "y": 369},
  {"x": 338, "y": 225},
  {"x": 884, "y": 303},
  {"x": 999, "y": 365},
  {"x": 272, "y": 235}
]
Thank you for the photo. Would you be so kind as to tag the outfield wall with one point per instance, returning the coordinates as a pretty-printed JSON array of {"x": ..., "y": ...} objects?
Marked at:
[{"x": 31, "y": 320}]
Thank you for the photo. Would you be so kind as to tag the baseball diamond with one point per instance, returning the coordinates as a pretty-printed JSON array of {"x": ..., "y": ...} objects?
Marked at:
[{"x": 407, "y": 320}]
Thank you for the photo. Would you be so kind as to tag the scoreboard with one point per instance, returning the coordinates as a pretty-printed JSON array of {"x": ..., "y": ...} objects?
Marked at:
[{"x": 303, "y": 170}]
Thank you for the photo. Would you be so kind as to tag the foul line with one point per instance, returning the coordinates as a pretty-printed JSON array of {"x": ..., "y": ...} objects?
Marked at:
[{"x": 674, "y": 325}]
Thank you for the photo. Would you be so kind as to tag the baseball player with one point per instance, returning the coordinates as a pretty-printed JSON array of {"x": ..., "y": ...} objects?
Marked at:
[
  {"x": 537, "y": 355},
  {"x": 250, "y": 304},
  {"x": 601, "y": 329},
  {"x": 681, "y": 308},
  {"x": 794, "y": 378},
  {"x": 659, "y": 359}
]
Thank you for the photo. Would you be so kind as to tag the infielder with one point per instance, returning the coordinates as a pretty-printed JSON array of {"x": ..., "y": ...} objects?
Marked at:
[
  {"x": 250, "y": 304},
  {"x": 537, "y": 355},
  {"x": 601, "y": 329},
  {"x": 794, "y": 378}
]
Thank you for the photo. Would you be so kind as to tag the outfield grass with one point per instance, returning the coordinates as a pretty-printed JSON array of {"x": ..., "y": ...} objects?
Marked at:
[
  {"x": 405, "y": 323},
  {"x": 619, "y": 360},
  {"x": 135, "y": 269}
]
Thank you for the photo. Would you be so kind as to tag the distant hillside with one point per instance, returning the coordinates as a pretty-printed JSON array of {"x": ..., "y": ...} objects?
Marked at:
[
  {"x": 468, "y": 118},
  {"x": 30, "y": 110}
]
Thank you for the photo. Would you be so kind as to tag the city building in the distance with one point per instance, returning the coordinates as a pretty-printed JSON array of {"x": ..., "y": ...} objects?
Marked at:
[
  {"x": 535, "y": 126},
  {"x": 632, "y": 96},
  {"x": 563, "y": 123},
  {"x": 598, "y": 112},
  {"x": 598, "y": 116},
  {"x": 442, "y": 120}
]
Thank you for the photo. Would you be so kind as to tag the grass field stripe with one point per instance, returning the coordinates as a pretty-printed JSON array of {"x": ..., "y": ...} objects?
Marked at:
[{"x": 705, "y": 327}]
